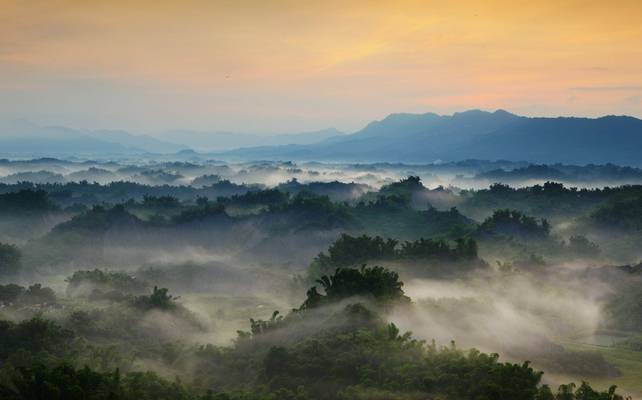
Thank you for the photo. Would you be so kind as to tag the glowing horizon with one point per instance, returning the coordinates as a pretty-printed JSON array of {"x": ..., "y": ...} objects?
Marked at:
[{"x": 289, "y": 66}]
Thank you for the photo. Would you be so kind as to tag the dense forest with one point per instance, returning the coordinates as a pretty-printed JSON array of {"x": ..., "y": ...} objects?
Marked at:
[{"x": 284, "y": 281}]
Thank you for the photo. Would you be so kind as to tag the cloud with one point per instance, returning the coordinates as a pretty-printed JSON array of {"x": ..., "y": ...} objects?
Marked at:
[
  {"x": 607, "y": 88},
  {"x": 289, "y": 66}
]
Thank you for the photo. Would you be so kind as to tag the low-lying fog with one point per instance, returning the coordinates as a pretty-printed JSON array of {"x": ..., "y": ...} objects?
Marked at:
[{"x": 226, "y": 258}]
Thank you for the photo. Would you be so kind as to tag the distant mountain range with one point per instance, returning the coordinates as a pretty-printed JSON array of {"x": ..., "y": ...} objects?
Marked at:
[
  {"x": 25, "y": 138},
  {"x": 221, "y": 141},
  {"x": 408, "y": 138},
  {"x": 475, "y": 134}
]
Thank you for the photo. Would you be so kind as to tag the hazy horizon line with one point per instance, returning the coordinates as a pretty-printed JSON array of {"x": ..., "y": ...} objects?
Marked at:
[{"x": 309, "y": 130}]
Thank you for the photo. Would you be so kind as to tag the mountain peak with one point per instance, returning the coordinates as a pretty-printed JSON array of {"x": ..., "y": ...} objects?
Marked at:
[
  {"x": 477, "y": 113},
  {"x": 478, "y": 134},
  {"x": 503, "y": 112},
  {"x": 472, "y": 112}
]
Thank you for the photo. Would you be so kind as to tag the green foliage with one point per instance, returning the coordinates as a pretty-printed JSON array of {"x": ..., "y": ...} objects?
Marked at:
[
  {"x": 37, "y": 294},
  {"x": 551, "y": 200},
  {"x": 307, "y": 201},
  {"x": 65, "y": 382},
  {"x": 200, "y": 213},
  {"x": 410, "y": 183},
  {"x": 329, "y": 348},
  {"x": 13, "y": 294},
  {"x": 308, "y": 211},
  {"x": 400, "y": 195},
  {"x": 35, "y": 336},
  {"x": 267, "y": 197},
  {"x": 160, "y": 201},
  {"x": 391, "y": 202},
  {"x": 315, "y": 352},
  {"x": 377, "y": 283},
  {"x": 335, "y": 190},
  {"x": 381, "y": 358},
  {"x": 103, "y": 283},
  {"x": 159, "y": 299},
  {"x": 260, "y": 326},
  {"x": 97, "y": 220},
  {"x": 202, "y": 201},
  {"x": 402, "y": 191},
  {"x": 349, "y": 251},
  {"x": 81, "y": 239},
  {"x": 439, "y": 250},
  {"x": 584, "y": 392},
  {"x": 10, "y": 293},
  {"x": 346, "y": 361},
  {"x": 514, "y": 223},
  {"x": 622, "y": 214},
  {"x": 580, "y": 246},
  {"x": 25, "y": 200},
  {"x": 9, "y": 259}
]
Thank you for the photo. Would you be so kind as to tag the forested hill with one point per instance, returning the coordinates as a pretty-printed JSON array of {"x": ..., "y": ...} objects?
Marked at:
[{"x": 475, "y": 134}]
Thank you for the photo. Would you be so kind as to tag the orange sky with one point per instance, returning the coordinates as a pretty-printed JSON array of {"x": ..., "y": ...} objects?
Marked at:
[{"x": 300, "y": 65}]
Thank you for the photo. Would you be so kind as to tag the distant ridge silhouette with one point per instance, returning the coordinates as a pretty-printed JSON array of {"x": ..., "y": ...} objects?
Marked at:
[{"x": 475, "y": 134}]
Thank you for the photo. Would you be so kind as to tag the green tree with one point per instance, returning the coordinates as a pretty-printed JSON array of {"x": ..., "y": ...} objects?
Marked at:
[
  {"x": 9, "y": 259},
  {"x": 158, "y": 299},
  {"x": 378, "y": 283}
]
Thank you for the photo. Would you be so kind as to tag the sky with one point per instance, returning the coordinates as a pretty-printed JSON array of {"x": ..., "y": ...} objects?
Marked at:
[{"x": 290, "y": 66}]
